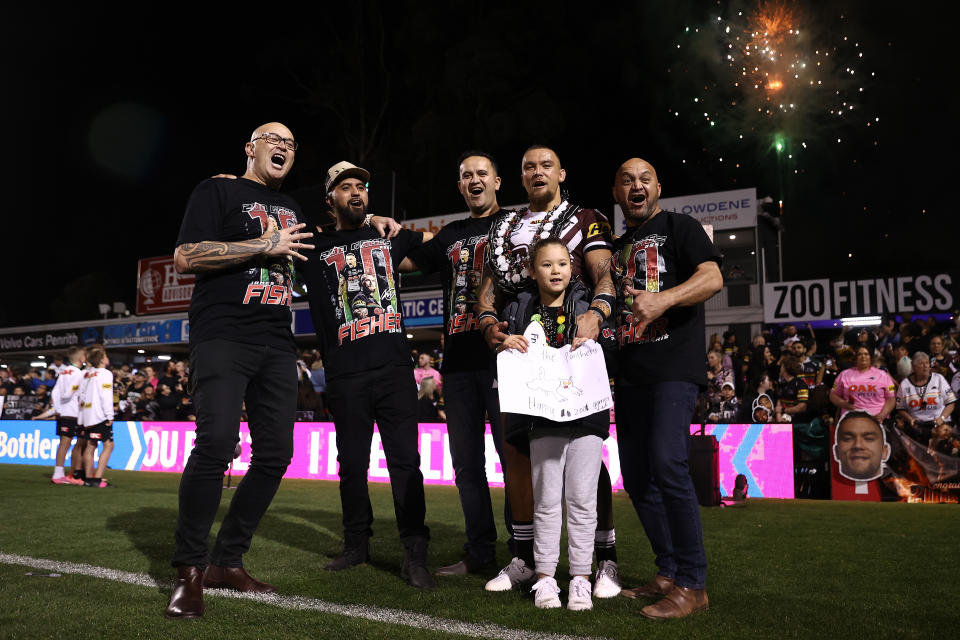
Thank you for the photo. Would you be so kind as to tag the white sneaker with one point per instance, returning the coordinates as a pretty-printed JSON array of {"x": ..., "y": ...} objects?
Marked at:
[
  {"x": 546, "y": 593},
  {"x": 606, "y": 584},
  {"x": 513, "y": 575},
  {"x": 579, "y": 596}
]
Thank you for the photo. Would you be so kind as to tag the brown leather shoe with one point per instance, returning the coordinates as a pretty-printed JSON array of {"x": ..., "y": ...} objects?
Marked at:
[
  {"x": 236, "y": 578},
  {"x": 680, "y": 602},
  {"x": 186, "y": 601},
  {"x": 659, "y": 586}
]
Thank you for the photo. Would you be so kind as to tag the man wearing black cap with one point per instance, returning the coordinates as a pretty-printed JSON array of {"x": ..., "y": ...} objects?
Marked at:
[
  {"x": 239, "y": 237},
  {"x": 367, "y": 361}
]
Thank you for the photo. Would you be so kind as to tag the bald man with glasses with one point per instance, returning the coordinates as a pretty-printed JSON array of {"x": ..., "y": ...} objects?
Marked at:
[{"x": 240, "y": 238}]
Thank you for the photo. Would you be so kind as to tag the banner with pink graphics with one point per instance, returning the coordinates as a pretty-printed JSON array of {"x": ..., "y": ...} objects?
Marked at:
[{"x": 762, "y": 452}]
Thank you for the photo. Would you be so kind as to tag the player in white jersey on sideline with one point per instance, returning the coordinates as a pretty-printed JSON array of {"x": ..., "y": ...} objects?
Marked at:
[
  {"x": 66, "y": 405},
  {"x": 96, "y": 414}
]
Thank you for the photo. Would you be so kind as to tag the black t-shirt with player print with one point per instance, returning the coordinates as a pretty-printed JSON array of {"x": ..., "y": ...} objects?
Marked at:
[
  {"x": 457, "y": 252},
  {"x": 656, "y": 256},
  {"x": 249, "y": 302},
  {"x": 355, "y": 309}
]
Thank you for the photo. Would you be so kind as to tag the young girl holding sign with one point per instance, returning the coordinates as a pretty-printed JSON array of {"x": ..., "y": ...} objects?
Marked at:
[{"x": 564, "y": 456}]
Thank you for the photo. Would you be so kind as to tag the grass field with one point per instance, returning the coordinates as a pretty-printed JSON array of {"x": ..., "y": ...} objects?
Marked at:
[{"x": 778, "y": 569}]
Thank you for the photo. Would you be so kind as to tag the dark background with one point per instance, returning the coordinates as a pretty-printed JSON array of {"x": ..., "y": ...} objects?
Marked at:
[{"x": 114, "y": 118}]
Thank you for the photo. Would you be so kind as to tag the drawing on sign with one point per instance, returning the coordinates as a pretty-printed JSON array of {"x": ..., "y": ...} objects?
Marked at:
[
  {"x": 554, "y": 387},
  {"x": 557, "y": 384}
]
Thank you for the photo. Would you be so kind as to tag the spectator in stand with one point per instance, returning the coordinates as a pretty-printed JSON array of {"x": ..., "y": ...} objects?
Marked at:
[
  {"x": 146, "y": 408},
  {"x": 425, "y": 369},
  {"x": 150, "y": 376},
  {"x": 940, "y": 360},
  {"x": 170, "y": 377},
  {"x": 308, "y": 400},
  {"x": 902, "y": 362},
  {"x": 50, "y": 377},
  {"x": 789, "y": 335},
  {"x": 318, "y": 377},
  {"x": 887, "y": 335},
  {"x": 749, "y": 360},
  {"x": 429, "y": 403},
  {"x": 863, "y": 387},
  {"x": 812, "y": 372},
  {"x": 759, "y": 386},
  {"x": 924, "y": 399},
  {"x": 862, "y": 337},
  {"x": 41, "y": 400},
  {"x": 792, "y": 405},
  {"x": 726, "y": 410},
  {"x": 58, "y": 364},
  {"x": 168, "y": 403},
  {"x": 135, "y": 391},
  {"x": 717, "y": 375}
]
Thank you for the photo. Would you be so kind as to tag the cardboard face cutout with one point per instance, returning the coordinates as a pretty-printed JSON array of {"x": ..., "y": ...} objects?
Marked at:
[{"x": 860, "y": 447}]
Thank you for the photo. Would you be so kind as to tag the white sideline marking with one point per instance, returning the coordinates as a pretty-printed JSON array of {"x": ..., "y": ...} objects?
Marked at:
[{"x": 376, "y": 614}]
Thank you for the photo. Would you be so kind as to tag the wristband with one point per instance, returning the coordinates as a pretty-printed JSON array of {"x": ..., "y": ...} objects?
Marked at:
[
  {"x": 488, "y": 314},
  {"x": 603, "y": 318},
  {"x": 607, "y": 299}
]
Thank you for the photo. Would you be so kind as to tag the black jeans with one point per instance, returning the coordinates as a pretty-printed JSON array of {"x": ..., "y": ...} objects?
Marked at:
[
  {"x": 224, "y": 375},
  {"x": 653, "y": 434},
  {"x": 388, "y": 396},
  {"x": 467, "y": 395}
]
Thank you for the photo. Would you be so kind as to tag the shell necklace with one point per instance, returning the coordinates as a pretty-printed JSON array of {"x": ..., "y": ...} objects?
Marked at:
[{"x": 503, "y": 260}]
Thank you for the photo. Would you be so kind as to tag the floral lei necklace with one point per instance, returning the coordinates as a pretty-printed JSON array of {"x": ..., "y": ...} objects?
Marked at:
[
  {"x": 554, "y": 323},
  {"x": 510, "y": 270}
]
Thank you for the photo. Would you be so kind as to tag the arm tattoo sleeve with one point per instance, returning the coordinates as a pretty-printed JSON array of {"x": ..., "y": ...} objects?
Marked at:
[{"x": 200, "y": 257}]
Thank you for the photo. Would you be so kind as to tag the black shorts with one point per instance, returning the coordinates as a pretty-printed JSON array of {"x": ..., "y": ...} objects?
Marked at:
[
  {"x": 99, "y": 433},
  {"x": 67, "y": 427}
]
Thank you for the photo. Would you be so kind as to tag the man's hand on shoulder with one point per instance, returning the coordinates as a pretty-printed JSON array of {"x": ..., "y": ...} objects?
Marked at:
[{"x": 386, "y": 227}]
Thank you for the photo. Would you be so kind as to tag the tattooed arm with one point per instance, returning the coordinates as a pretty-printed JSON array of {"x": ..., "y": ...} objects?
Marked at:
[
  {"x": 490, "y": 300},
  {"x": 200, "y": 257},
  {"x": 596, "y": 263}
]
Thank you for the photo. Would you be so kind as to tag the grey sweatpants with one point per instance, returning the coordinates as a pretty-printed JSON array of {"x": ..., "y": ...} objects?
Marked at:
[{"x": 565, "y": 469}]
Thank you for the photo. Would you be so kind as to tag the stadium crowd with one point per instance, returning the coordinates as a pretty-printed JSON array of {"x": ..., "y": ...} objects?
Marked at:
[
  {"x": 783, "y": 376},
  {"x": 907, "y": 373}
]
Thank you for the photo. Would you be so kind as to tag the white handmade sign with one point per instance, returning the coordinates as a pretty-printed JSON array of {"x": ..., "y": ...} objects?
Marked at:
[{"x": 557, "y": 384}]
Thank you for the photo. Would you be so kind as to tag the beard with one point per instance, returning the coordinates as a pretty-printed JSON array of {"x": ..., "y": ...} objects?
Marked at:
[{"x": 348, "y": 217}]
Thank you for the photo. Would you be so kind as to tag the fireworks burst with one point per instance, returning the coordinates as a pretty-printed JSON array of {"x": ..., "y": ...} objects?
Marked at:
[{"x": 769, "y": 78}]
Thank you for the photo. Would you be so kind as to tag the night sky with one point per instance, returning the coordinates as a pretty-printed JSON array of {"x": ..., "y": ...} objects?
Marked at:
[{"x": 112, "y": 120}]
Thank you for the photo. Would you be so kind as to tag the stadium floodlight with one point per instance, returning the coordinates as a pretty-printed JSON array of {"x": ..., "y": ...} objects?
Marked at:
[
  {"x": 163, "y": 357},
  {"x": 120, "y": 308},
  {"x": 861, "y": 321},
  {"x": 38, "y": 363},
  {"x": 104, "y": 309}
]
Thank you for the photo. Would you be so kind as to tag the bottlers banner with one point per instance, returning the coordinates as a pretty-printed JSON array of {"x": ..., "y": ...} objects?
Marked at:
[
  {"x": 160, "y": 288},
  {"x": 763, "y": 453},
  {"x": 808, "y": 300}
]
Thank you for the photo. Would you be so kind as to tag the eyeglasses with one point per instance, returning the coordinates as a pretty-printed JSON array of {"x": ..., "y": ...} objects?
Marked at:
[{"x": 276, "y": 140}]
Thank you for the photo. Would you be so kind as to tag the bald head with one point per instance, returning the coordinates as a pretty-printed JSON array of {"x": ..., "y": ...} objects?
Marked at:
[
  {"x": 636, "y": 189},
  {"x": 269, "y": 156}
]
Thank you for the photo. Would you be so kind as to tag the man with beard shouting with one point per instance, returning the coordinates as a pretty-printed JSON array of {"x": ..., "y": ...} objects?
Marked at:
[{"x": 367, "y": 362}]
